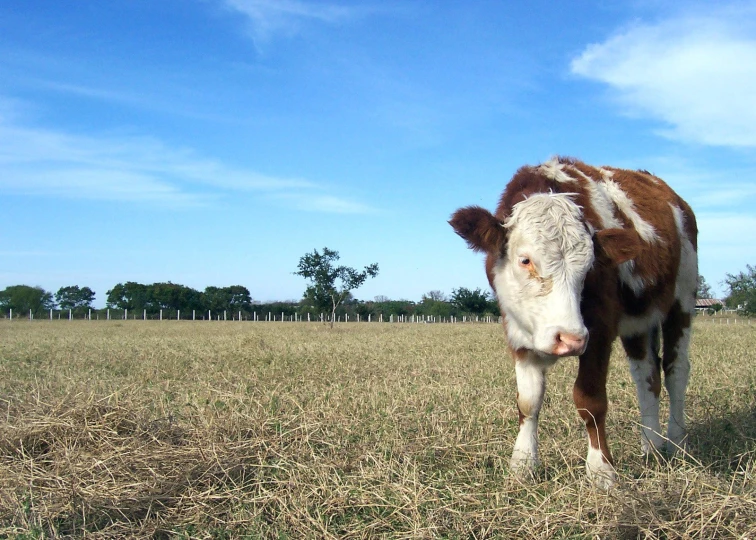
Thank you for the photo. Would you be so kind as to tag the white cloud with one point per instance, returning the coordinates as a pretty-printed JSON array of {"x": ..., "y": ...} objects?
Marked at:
[
  {"x": 696, "y": 74},
  {"x": 269, "y": 17},
  {"x": 324, "y": 203},
  {"x": 43, "y": 162}
]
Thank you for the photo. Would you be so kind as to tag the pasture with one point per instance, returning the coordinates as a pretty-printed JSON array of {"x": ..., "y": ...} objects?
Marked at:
[{"x": 291, "y": 430}]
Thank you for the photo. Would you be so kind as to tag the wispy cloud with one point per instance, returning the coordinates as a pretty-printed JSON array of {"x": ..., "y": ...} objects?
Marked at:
[
  {"x": 324, "y": 203},
  {"x": 44, "y": 162},
  {"x": 286, "y": 17},
  {"x": 695, "y": 73}
]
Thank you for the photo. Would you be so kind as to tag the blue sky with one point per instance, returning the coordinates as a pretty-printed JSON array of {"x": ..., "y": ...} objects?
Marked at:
[{"x": 214, "y": 142}]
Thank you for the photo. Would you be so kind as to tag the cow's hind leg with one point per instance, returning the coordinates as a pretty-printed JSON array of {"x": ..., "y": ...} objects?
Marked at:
[
  {"x": 676, "y": 330},
  {"x": 645, "y": 367},
  {"x": 590, "y": 398}
]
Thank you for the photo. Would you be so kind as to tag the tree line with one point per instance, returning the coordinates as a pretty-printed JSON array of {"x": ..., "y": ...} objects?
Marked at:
[
  {"x": 139, "y": 298},
  {"x": 322, "y": 296}
]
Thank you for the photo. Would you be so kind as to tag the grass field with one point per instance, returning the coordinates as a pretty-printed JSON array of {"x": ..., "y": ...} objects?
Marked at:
[{"x": 283, "y": 430}]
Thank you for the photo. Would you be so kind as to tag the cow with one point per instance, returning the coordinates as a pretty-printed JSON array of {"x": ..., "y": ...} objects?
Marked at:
[{"x": 578, "y": 255}]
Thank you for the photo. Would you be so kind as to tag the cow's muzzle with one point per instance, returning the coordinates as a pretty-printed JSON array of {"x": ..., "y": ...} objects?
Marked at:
[{"x": 570, "y": 344}]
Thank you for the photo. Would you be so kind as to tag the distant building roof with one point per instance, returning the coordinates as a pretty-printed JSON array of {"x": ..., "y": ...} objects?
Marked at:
[{"x": 707, "y": 302}]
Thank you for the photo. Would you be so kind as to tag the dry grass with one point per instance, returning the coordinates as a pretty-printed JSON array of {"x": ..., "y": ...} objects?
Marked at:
[{"x": 281, "y": 430}]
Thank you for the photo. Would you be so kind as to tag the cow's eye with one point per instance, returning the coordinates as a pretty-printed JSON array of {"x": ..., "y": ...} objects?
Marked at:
[{"x": 525, "y": 262}]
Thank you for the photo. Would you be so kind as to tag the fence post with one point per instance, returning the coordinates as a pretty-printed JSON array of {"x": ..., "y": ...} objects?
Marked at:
[
  {"x": 70, "y": 315},
  {"x": 11, "y": 314},
  {"x": 194, "y": 314},
  {"x": 51, "y": 314}
]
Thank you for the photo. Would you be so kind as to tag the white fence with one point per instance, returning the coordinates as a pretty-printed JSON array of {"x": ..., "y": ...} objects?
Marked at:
[
  {"x": 724, "y": 320},
  {"x": 254, "y": 317}
]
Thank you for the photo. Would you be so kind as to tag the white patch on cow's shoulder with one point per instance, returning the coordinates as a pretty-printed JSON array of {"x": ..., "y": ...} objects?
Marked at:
[
  {"x": 636, "y": 283},
  {"x": 625, "y": 205},
  {"x": 554, "y": 170}
]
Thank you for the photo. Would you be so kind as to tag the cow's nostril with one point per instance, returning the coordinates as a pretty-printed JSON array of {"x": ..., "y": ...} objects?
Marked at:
[{"x": 570, "y": 342}]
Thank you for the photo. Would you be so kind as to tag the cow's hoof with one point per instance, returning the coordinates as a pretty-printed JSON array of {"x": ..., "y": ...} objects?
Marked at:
[
  {"x": 677, "y": 448},
  {"x": 604, "y": 477},
  {"x": 601, "y": 473},
  {"x": 652, "y": 446},
  {"x": 523, "y": 465}
]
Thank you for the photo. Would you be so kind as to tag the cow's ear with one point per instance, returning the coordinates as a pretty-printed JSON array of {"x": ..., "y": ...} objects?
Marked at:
[
  {"x": 620, "y": 245},
  {"x": 481, "y": 230}
]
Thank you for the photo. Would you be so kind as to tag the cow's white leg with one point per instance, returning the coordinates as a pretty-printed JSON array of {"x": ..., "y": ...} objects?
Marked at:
[
  {"x": 676, "y": 374},
  {"x": 531, "y": 387},
  {"x": 642, "y": 357}
]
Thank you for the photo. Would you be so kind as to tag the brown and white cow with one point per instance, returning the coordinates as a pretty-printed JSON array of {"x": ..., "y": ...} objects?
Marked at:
[{"x": 578, "y": 255}]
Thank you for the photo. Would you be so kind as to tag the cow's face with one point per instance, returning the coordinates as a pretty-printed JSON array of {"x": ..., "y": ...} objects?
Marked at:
[
  {"x": 539, "y": 277},
  {"x": 538, "y": 261}
]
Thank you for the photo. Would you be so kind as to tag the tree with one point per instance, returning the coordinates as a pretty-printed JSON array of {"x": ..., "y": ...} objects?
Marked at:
[
  {"x": 129, "y": 295},
  {"x": 434, "y": 303},
  {"x": 239, "y": 298},
  {"x": 234, "y": 298},
  {"x": 330, "y": 284},
  {"x": 75, "y": 298},
  {"x": 471, "y": 301},
  {"x": 25, "y": 299},
  {"x": 435, "y": 296},
  {"x": 704, "y": 289},
  {"x": 173, "y": 296},
  {"x": 742, "y": 290}
]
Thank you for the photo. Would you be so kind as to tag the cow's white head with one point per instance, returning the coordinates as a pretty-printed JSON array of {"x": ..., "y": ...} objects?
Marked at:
[{"x": 538, "y": 259}]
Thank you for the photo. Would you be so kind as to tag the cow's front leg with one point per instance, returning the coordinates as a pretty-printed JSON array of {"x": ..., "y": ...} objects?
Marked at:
[
  {"x": 531, "y": 386},
  {"x": 589, "y": 394}
]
